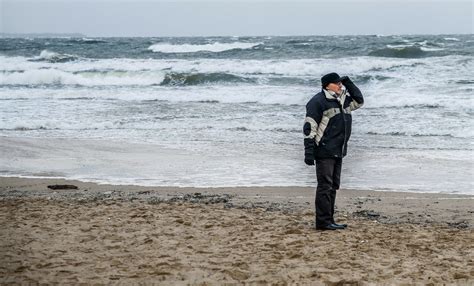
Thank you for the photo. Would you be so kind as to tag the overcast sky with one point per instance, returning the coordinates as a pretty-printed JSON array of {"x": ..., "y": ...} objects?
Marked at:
[{"x": 236, "y": 18}]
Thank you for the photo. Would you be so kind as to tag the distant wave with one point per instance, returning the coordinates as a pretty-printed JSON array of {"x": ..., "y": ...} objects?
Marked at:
[
  {"x": 25, "y": 128},
  {"x": 52, "y": 57},
  {"x": 403, "y": 105},
  {"x": 92, "y": 40},
  {"x": 400, "y": 52},
  {"x": 55, "y": 125},
  {"x": 271, "y": 129},
  {"x": 255, "y": 48},
  {"x": 365, "y": 78},
  {"x": 418, "y": 106},
  {"x": 203, "y": 78},
  {"x": 189, "y": 48},
  {"x": 465, "y": 81},
  {"x": 409, "y": 49},
  {"x": 299, "y": 42},
  {"x": 407, "y": 134}
]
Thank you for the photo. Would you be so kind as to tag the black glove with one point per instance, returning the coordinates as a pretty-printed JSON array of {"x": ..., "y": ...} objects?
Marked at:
[
  {"x": 309, "y": 146},
  {"x": 345, "y": 79}
]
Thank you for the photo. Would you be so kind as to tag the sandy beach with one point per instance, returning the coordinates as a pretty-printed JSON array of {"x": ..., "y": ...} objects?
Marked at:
[{"x": 180, "y": 236}]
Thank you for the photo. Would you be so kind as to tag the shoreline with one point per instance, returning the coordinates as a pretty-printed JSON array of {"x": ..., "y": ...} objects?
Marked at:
[{"x": 124, "y": 161}]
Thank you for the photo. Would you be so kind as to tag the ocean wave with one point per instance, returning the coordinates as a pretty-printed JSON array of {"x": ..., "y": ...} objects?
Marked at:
[
  {"x": 366, "y": 78},
  {"x": 259, "y": 48},
  {"x": 400, "y": 103},
  {"x": 54, "y": 125},
  {"x": 86, "y": 41},
  {"x": 208, "y": 101},
  {"x": 118, "y": 78},
  {"x": 24, "y": 128},
  {"x": 79, "y": 98},
  {"x": 303, "y": 72},
  {"x": 192, "y": 48},
  {"x": 428, "y": 49},
  {"x": 403, "y": 134},
  {"x": 291, "y": 42},
  {"x": 400, "y": 52},
  {"x": 92, "y": 40},
  {"x": 203, "y": 78},
  {"x": 51, "y": 76},
  {"x": 52, "y": 57},
  {"x": 409, "y": 49},
  {"x": 300, "y": 42},
  {"x": 282, "y": 67},
  {"x": 277, "y": 130},
  {"x": 465, "y": 81},
  {"x": 421, "y": 106}
]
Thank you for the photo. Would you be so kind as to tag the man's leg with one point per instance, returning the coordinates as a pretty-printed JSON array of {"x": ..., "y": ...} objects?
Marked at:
[
  {"x": 336, "y": 182},
  {"x": 324, "y": 174}
]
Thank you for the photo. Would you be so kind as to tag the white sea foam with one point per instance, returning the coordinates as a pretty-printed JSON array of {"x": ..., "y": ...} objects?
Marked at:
[
  {"x": 431, "y": 49},
  {"x": 399, "y": 46},
  {"x": 189, "y": 48},
  {"x": 59, "y": 77},
  {"x": 424, "y": 46},
  {"x": 47, "y": 55},
  {"x": 93, "y": 40}
]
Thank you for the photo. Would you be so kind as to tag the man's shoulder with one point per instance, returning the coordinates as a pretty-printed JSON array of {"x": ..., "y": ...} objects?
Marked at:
[{"x": 317, "y": 98}]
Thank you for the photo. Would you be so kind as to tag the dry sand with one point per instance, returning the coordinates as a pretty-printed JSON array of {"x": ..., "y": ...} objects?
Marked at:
[{"x": 128, "y": 234}]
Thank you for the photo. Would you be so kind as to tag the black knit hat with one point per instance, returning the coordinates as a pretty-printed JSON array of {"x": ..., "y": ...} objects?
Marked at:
[{"x": 330, "y": 78}]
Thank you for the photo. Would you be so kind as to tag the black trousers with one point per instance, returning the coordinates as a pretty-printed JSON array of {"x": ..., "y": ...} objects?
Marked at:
[{"x": 328, "y": 173}]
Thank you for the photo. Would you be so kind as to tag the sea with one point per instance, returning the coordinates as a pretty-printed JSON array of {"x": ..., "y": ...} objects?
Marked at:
[{"x": 229, "y": 111}]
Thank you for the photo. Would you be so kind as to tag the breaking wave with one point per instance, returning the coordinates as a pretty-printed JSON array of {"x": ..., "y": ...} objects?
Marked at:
[
  {"x": 400, "y": 52},
  {"x": 192, "y": 48},
  {"x": 52, "y": 57},
  {"x": 203, "y": 78},
  {"x": 92, "y": 40},
  {"x": 150, "y": 78},
  {"x": 86, "y": 78},
  {"x": 117, "y": 78},
  {"x": 203, "y": 71}
]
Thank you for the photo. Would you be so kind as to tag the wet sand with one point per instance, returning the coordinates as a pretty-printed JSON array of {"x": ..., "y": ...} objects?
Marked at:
[{"x": 129, "y": 234}]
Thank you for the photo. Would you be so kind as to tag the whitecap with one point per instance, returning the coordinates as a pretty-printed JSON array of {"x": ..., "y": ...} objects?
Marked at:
[
  {"x": 189, "y": 48},
  {"x": 54, "y": 57},
  {"x": 399, "y": 47},
  {"x": 60, "y": 77},
  {"x": 425, "y": 49}
]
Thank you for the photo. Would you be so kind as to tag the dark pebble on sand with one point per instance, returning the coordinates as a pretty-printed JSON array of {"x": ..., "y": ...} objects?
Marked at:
[{"x": 62, "y": 187}]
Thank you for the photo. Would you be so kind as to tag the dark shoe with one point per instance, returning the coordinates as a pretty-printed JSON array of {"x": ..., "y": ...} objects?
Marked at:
[
  {"x": 331, "y": 226},
  {"x": 342, "y": 224}
]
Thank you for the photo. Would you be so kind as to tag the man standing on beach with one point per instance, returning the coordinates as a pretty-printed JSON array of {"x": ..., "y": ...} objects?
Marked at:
[{"x": 327, "y": 129}]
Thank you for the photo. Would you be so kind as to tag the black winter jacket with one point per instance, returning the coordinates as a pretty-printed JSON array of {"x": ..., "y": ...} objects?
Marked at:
[{"x": 328, "y": 123}]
